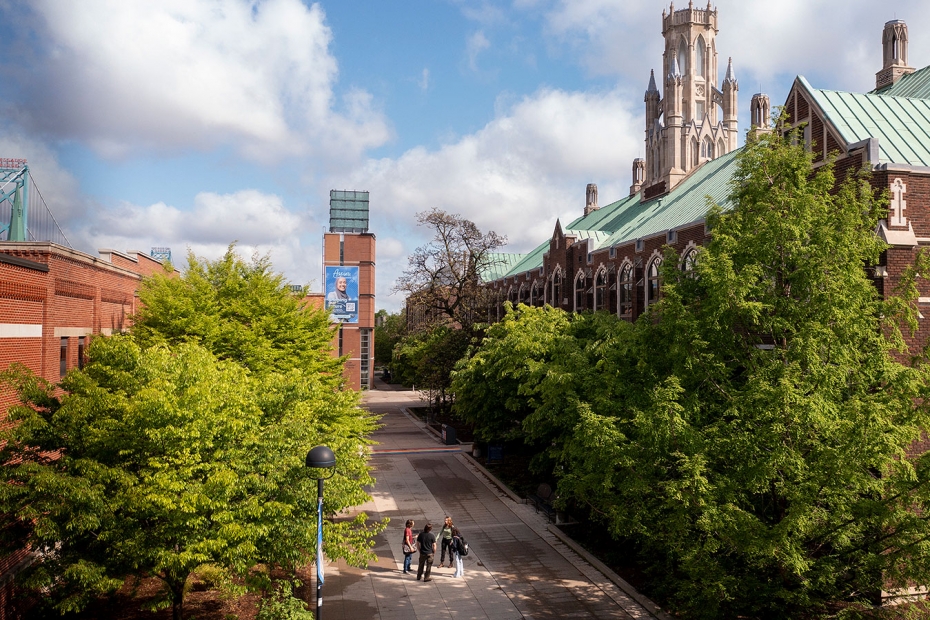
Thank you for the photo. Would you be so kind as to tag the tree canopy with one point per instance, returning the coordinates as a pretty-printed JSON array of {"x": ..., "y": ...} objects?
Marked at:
[
  {"x": 183, "y": 443},
  {"x": 752, "y": 434},
  {"x": 444, "y": 277}
]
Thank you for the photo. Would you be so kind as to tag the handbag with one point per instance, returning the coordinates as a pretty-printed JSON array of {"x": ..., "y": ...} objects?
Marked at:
[{"x": 407, "y": 547}]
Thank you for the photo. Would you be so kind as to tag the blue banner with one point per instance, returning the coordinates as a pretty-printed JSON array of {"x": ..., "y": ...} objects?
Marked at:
[
  {"x": 319, "y": 542},
  {"x": 341, "y": 289}
]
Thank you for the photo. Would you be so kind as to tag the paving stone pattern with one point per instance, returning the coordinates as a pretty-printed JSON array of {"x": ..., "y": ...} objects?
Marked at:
[{"x": 515, "y": 569}]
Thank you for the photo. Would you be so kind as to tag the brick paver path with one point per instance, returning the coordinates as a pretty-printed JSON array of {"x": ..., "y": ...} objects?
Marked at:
[{"x": 515, "y": 569}]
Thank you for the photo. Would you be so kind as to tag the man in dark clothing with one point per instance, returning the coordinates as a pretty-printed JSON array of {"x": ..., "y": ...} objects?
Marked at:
[{"x": 426, "y": 542}]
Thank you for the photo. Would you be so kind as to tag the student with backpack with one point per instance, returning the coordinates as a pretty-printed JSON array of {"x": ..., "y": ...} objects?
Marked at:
[{"x": 458, "y": 549}]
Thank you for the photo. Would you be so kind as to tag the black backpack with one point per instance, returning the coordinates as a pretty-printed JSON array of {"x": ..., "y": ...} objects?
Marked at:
[{"x": 462, "y": 546}]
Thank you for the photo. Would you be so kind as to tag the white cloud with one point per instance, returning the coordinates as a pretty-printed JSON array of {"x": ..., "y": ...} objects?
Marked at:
[
  {"x": 524, "y": 169},
  {"x": 474, "y": 45},
  {"x": 837, "y": 45},
  {"x": 249, "y": 216},
  {"x": 257, "y": 222},
  {"x": 423, "y": 82},
  {"x": 177, "y": 74}
]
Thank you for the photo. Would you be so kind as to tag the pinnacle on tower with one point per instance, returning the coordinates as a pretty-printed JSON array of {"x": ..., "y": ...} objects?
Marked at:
[
  {"x": 652, "y": 83},
  {"x": 730, "y": 77}
]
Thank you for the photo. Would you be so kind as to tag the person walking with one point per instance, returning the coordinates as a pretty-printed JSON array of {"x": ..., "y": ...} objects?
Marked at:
[
  {"x": 409, "y": 545},
  {"x": 426, "y": 542},
  {"x": 445, "y": 535},
  {"x": 457, "y": 548}
]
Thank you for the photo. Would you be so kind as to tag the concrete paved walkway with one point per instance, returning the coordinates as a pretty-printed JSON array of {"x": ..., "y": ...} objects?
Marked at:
[{"x": 516, "y": 567}]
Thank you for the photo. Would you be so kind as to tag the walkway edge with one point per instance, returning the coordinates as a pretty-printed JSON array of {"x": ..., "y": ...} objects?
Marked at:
[
  {"x": 619, "y": 581},
  {"x": 616, "y": 579}
]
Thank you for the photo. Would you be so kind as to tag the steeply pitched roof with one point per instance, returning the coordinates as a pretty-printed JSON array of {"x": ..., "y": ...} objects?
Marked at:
[
  {"x": 915, "y": 85},
  {"x": 901, "y": 124}
]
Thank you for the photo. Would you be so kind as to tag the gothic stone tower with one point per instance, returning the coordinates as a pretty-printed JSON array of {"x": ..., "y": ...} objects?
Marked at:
[{"x": 683, "y": 126}]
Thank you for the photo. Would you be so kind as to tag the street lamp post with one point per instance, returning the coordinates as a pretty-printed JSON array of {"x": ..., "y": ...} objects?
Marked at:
[{"x": 320, "y": 457}]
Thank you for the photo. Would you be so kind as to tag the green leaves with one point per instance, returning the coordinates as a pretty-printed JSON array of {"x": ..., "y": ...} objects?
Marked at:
[
  {"x": 183, "y": 443},
  {"x": 751, "y": 434}
]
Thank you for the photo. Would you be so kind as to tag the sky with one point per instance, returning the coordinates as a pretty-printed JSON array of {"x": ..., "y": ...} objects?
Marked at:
[{"x": 193, "y": 124}]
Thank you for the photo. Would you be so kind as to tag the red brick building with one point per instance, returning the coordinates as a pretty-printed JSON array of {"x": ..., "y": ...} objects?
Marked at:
[
  {"x": 349, "y": 255},
  {"x": 608, "y": 258},
  {"x": 53, "y": 300}
]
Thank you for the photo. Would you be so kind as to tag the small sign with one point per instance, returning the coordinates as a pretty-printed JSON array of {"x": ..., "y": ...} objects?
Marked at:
[{"x": 495, "y": 452}]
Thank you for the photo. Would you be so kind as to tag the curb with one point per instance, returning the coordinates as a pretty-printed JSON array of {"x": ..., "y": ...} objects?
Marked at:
[{"x": 616, "y": 579}]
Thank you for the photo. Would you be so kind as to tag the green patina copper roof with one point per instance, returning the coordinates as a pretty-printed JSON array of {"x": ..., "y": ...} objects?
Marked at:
[
  {"x": 597, "y": 235},
  {"x": 899, "y": 117},
  {"x": 915, "y": 85},
  {"x": 531, "y": 260},
  {"x": 500, "y": 264},
  {"x": 629, "y": 219},
  {"x": 901, "y": 124}
]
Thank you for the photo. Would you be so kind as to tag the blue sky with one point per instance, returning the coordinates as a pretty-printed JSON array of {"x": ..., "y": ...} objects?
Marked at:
[{"x": 194, "y": 123}]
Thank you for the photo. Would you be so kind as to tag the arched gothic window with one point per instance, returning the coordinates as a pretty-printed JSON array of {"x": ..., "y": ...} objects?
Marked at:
[
  {"x": 688, "y": 260},
  {"x": 683, "y": 56},
  {"x": 579, "y": 292},
  {"x": 557, "y": 289},
  {"x": 600, "y": 289},
  {"x": 707, "y": 149},
  {"x": 536, "y": 298},
  {"x": 653, "y": 281},
  {"x": 720, "y": 149},
  {"x": 625, "y": 291},
  {"x": 695, "y": 152},
  {"x": 699, "y": 57}
]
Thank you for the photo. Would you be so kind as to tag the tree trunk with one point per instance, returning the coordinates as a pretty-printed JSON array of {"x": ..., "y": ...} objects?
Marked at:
[{"x": 177, "y": 601}]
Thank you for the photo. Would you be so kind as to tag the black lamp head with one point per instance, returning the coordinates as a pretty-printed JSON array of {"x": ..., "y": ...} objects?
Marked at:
[{"x": 321, "y": 457}]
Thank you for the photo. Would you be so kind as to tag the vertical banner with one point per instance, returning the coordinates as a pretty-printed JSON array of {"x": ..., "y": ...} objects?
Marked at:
[
  {"x": 319, "y": 543},
  {"x": 342, "y": 293}
]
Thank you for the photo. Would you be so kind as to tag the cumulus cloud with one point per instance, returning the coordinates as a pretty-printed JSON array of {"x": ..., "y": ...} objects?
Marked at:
[
  {"x": 524, "y": 169},
  {"x": 257, "y": 222},
  {"x": 254, "y": 75},
  {"x": 768, "y": 45},
  {"x": 252, "y": 217}
]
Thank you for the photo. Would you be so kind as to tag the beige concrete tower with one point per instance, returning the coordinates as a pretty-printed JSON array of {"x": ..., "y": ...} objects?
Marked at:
[
  {"x": 590, "y": 199},
  {"x": 760, "y": 112},
  {"x": 894, "y": 54},
  {"x": 693, "y": 121}
]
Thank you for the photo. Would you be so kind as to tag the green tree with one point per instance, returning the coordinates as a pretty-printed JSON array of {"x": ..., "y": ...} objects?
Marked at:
[
  {"x": 389, "y": 331},
  {"x": 182, "y": 444},
  {"x": 241, "y": 311},
  {"x": 760, "y": 453},
  {"x": 426, "y": 359},
  {"x": 497, "y": 386}
]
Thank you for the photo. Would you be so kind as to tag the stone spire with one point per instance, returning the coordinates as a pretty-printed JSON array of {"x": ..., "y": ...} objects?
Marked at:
[
  {"x": 652, "y": 101},
  {"x": 894, "y": 54},
  {"x": 590, "y": 200},
  {"x": 674, "y": 71},
  {"x": 652, "y": 88},
  {"x": 730, "y": 76}
]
